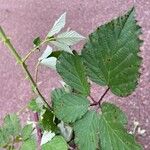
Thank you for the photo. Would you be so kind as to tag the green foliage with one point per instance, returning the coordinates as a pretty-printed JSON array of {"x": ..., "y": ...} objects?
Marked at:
[
  {"x": 10, "y": 129},
  {"x": 57, "y": 143},
  {"x": 12, "y": 124},
  {"x": 33, "y": 105},
  {"x": 37, "y": 41},
  {"x": 87, "y": 131},
  {"x": 111, "y": 54},
  {"x": 69, "y": 107},
  {"x": 48, "y": 121},
  {"x": 71, "y": 68},
  {"x": 27, "y": 131},
  {"x": 113, "y": 135},
  {"x": 55, "y": 54},
  {"x": 110, "y": 58},
  {"x": 29, "y": 144}
]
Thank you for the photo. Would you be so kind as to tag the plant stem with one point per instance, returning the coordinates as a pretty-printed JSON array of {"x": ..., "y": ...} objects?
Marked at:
[
  {"x": 37, "y": 47},
  {"x": 92, "y": 98},
  {"x": 6, "y": 40},
  {"x": 39, "y": 131},
  {"x": 36, "y": 71},
  {"x": 101, "y": 98}
]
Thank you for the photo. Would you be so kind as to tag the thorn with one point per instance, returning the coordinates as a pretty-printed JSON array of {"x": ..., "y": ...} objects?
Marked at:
[{"x": 26, "y": 77}]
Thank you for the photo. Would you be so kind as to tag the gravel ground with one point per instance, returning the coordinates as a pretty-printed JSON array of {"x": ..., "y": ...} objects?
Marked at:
[{"x": 25, "y": 19}]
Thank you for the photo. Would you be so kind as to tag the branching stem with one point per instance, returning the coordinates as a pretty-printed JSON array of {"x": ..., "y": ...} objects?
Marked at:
[
  {"x": 6, "y": 40},
  {"x": 101, "y": 98},
  {"x": 37, "y": 47}
]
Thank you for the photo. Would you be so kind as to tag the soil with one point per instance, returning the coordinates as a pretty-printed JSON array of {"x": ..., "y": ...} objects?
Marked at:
[{"x": 26, "y": 19}]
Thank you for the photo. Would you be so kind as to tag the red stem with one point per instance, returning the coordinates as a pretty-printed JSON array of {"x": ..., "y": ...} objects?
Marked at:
[
  {"x": 101, "y": 98},
  {"x": 39, "y": 131},
  {"x": 92, "y": 99}
]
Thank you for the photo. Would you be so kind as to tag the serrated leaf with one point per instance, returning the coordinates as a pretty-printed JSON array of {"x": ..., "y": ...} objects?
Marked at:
[
  {"x": 111, "y": 54},
  {"x": 27, "y": 131},
  {"x": 12, "y": 125},
  {"x": 113, "y": 135},
  {"x": 58, "y": 25},
  {"x": 62, "y": 46},
  {"x": 47, "y": 136},
  {"x": 48, "y": 121},
  {"x": 29, "y": 144},
  {"x": 37, "y": 41},
  {"x": 57, "y": 143},
  {"x": 69, "y": 107},
  {"x": 72, "y": 70},
  {"x": 87, "y": 131},
  {"x": 69, "y": 37}
]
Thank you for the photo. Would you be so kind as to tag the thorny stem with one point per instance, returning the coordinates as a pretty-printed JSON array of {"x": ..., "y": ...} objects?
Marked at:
[
  {"x": 39, "y": 131},
  {"x": 6, "y": 40},
  {"x": 36, "y": 71},
  {"x": 101, "y": 98},
  {"x": 19, "y": 60}
]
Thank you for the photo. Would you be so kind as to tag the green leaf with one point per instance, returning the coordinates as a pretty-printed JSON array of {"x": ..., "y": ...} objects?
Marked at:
[
  {"x": 113, "y": 135},
  {"x": 27, "y": 131},
  {"x": 71, "y": 69},
  {"x": 37, "y": 41},
  {"x": 12, "y": 125},
  {"x": 55, "y": 54},
  {"x": 69, "y": 107},
  {"x": 111, "y": 54},
  {"x": 48, "y": 121},
  {"x": 57, "y": 143},
  {"x": 34, "y": 106},
  {"x": 4, "y": 138},
  {"x": 69, "y": 37},
  {"x": 87, "y": 131},
  {"x": 29, "y": 144}
]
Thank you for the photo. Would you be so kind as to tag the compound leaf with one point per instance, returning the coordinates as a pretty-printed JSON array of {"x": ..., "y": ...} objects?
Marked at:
[
  {"x": 113, "y": 135},
  {"x": 69, "y": 107},
  {"x": 86, "y": 131},
  {"x": 71, "y": 69},
  {"x": 111, "y": 54}
]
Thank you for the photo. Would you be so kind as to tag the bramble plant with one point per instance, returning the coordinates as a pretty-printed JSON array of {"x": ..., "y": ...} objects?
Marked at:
[{"x": 74, "y": 119}]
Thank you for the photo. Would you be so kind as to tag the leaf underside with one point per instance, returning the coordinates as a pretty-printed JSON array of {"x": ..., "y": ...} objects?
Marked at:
[
  {"x": 113, "y": 135},
  {"x": 71, "y": 69},
  {"x": 111, "y": 54},
  {"x": 69, "y": 107}
]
